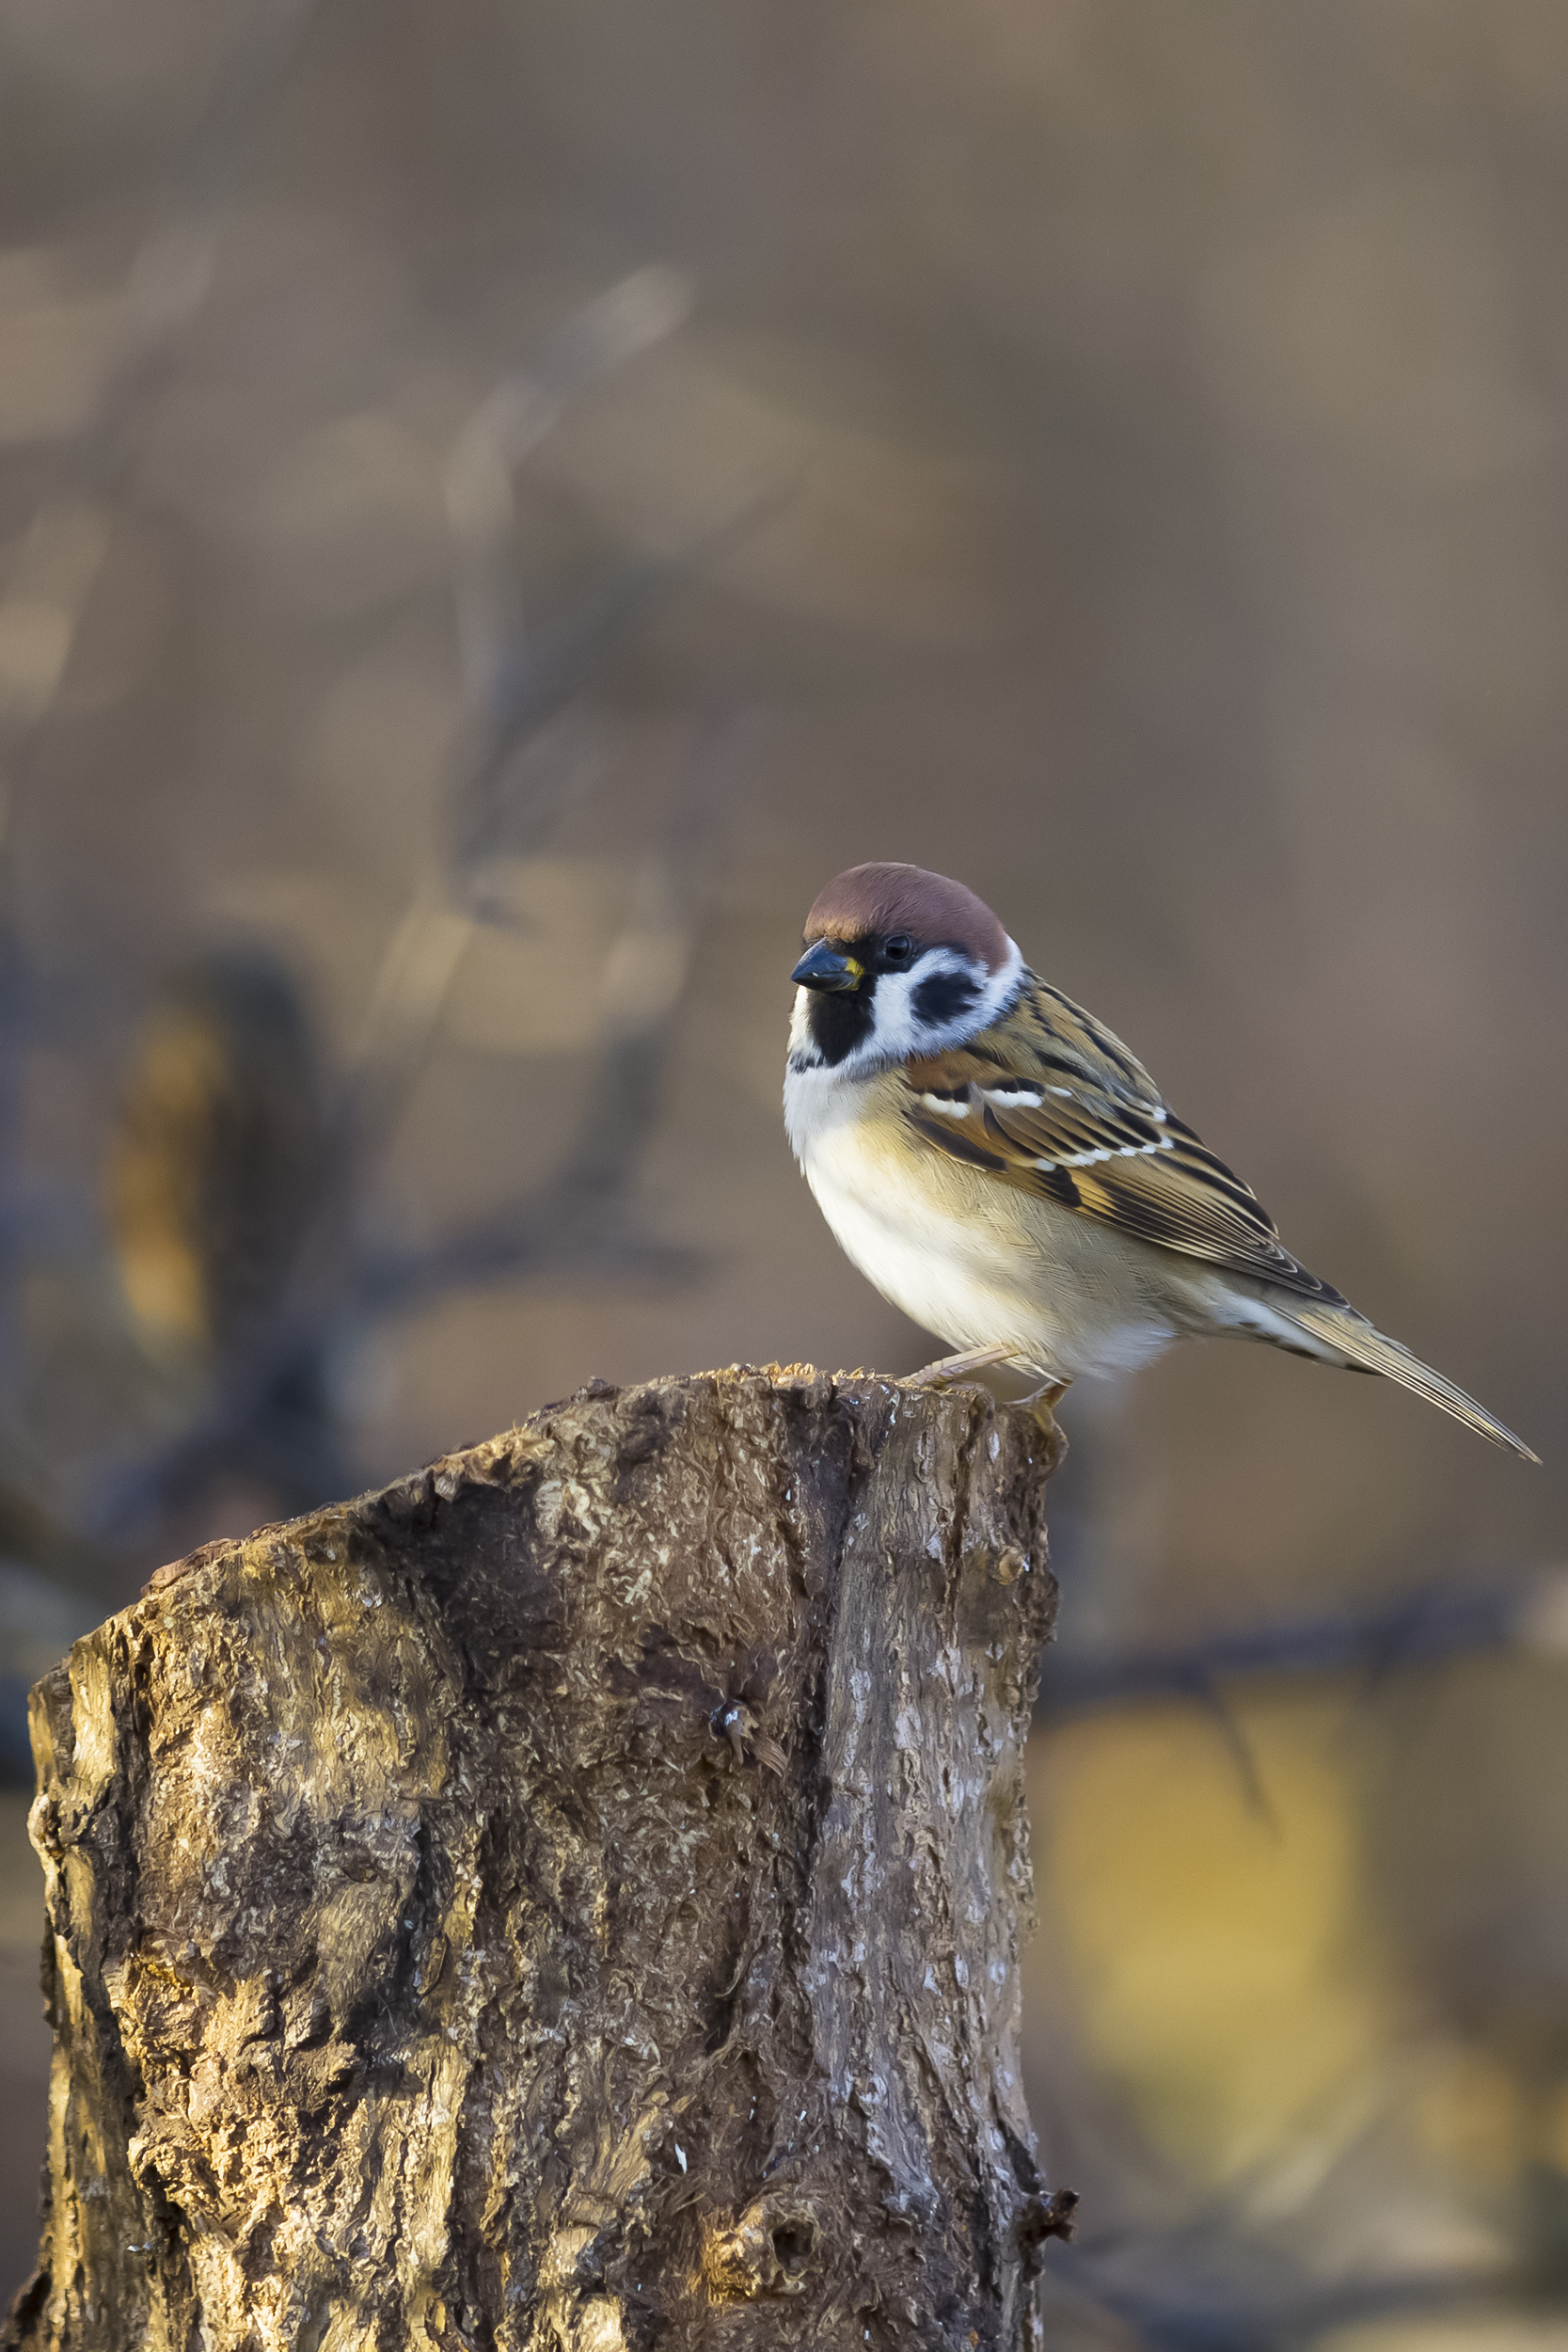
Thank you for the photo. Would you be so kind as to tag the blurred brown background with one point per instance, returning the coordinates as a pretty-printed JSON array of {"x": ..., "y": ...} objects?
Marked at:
[{"x": 1109, "y": 450}]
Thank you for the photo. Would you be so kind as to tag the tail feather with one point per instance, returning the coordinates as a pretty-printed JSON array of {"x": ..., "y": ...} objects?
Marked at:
[{"x": 1360, "y": 1344}]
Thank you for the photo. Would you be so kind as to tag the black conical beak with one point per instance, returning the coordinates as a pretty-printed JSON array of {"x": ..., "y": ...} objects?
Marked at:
[{"x": 825, "y": 968}]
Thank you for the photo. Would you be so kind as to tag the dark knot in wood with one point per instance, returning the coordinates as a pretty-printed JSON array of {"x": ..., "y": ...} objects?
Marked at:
[{"x": 769, "y": 2250}]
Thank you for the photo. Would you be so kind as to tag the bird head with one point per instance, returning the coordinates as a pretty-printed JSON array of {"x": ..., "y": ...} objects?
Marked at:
[{"x": 898, "y": 963}]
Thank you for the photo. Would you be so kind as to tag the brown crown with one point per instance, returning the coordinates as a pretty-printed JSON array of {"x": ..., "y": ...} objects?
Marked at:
[{"x": 866, "y": 901}]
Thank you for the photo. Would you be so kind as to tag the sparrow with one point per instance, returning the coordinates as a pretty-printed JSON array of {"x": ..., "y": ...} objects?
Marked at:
[{"x": 1004, "y": 1169}]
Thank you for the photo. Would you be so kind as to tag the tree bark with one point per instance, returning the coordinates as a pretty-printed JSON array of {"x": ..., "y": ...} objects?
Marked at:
[{"x": 571, "y": 1899}]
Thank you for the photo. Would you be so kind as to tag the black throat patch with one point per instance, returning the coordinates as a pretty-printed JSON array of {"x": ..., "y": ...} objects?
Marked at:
[{"x": 838, "y": 1024}]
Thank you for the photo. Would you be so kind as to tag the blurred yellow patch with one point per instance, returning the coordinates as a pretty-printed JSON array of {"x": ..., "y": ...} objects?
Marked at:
[
  {"x": 155, "y": 1178},
  {"x": 1225, "y": 1983},
  {"x": 1495, "y": 2332},
  {"x": 215, "y": 1156},
  {"x": 1554, "y": 2128}
]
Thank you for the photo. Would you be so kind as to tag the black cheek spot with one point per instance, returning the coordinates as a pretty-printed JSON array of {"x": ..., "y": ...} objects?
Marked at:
[{"x": 944, "y": 997}]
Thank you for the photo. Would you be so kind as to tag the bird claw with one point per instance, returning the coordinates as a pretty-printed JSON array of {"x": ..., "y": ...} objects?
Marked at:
[{"x": 949, "y": 1370}]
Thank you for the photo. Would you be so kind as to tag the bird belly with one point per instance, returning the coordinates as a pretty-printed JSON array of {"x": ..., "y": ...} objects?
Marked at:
[{"x": 986, "y": 1266}]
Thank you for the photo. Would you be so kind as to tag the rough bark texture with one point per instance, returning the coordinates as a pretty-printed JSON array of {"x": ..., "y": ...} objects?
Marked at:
[{"x": 571, "y": 1899}]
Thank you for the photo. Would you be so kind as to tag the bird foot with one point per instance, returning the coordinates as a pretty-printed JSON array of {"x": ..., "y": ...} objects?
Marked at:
[
  {"x": 1043, "y": 1401},
  {"x": 949, "y": 1370}
]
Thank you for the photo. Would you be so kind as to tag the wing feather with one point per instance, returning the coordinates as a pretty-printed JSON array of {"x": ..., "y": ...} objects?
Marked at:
[{"x": 1067, "y": 1113}]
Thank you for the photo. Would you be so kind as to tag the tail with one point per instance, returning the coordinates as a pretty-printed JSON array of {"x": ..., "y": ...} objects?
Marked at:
[{"x": 1343, "y": 1331}]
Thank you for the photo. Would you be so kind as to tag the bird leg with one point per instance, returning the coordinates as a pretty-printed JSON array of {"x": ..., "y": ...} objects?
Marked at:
[{"x": 947, "y": 1370}]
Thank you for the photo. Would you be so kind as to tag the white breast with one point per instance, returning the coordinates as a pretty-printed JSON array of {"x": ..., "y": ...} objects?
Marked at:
[{"x": 974, "y": 1263}]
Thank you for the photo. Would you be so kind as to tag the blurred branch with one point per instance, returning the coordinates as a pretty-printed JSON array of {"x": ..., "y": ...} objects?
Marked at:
[
  {"x": 573, "y": 1226},
  {"x": 270, "y": 1411},
  {"x": 1224, "y": 2295},
  {"x": 63, "y": 550},
  {"x": 167, "y": 284},
  {"x": 510, "y": 684},
  {"x": 1433, "y": 1623},
  {"x": 500, "y": 681}
]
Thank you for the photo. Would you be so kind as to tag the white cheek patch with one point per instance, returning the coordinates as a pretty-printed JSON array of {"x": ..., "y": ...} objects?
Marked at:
[
  {"x": 893, "y": 1026},
  {"x": 898, "y": 1034}
]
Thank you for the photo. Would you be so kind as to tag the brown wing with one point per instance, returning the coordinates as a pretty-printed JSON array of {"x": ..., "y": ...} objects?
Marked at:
[{"x": 1051, "y": 1101}]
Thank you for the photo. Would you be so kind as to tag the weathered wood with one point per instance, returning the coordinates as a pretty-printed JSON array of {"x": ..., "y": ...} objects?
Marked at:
[{"x": 570, "y": 1898}]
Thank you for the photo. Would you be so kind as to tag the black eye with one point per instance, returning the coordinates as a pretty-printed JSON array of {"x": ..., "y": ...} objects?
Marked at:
[{"x": 900, "y": 948}]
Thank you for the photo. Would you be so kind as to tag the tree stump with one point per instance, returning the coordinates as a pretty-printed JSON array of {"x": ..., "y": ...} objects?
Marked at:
[{"x": 571, "y": 1899}]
